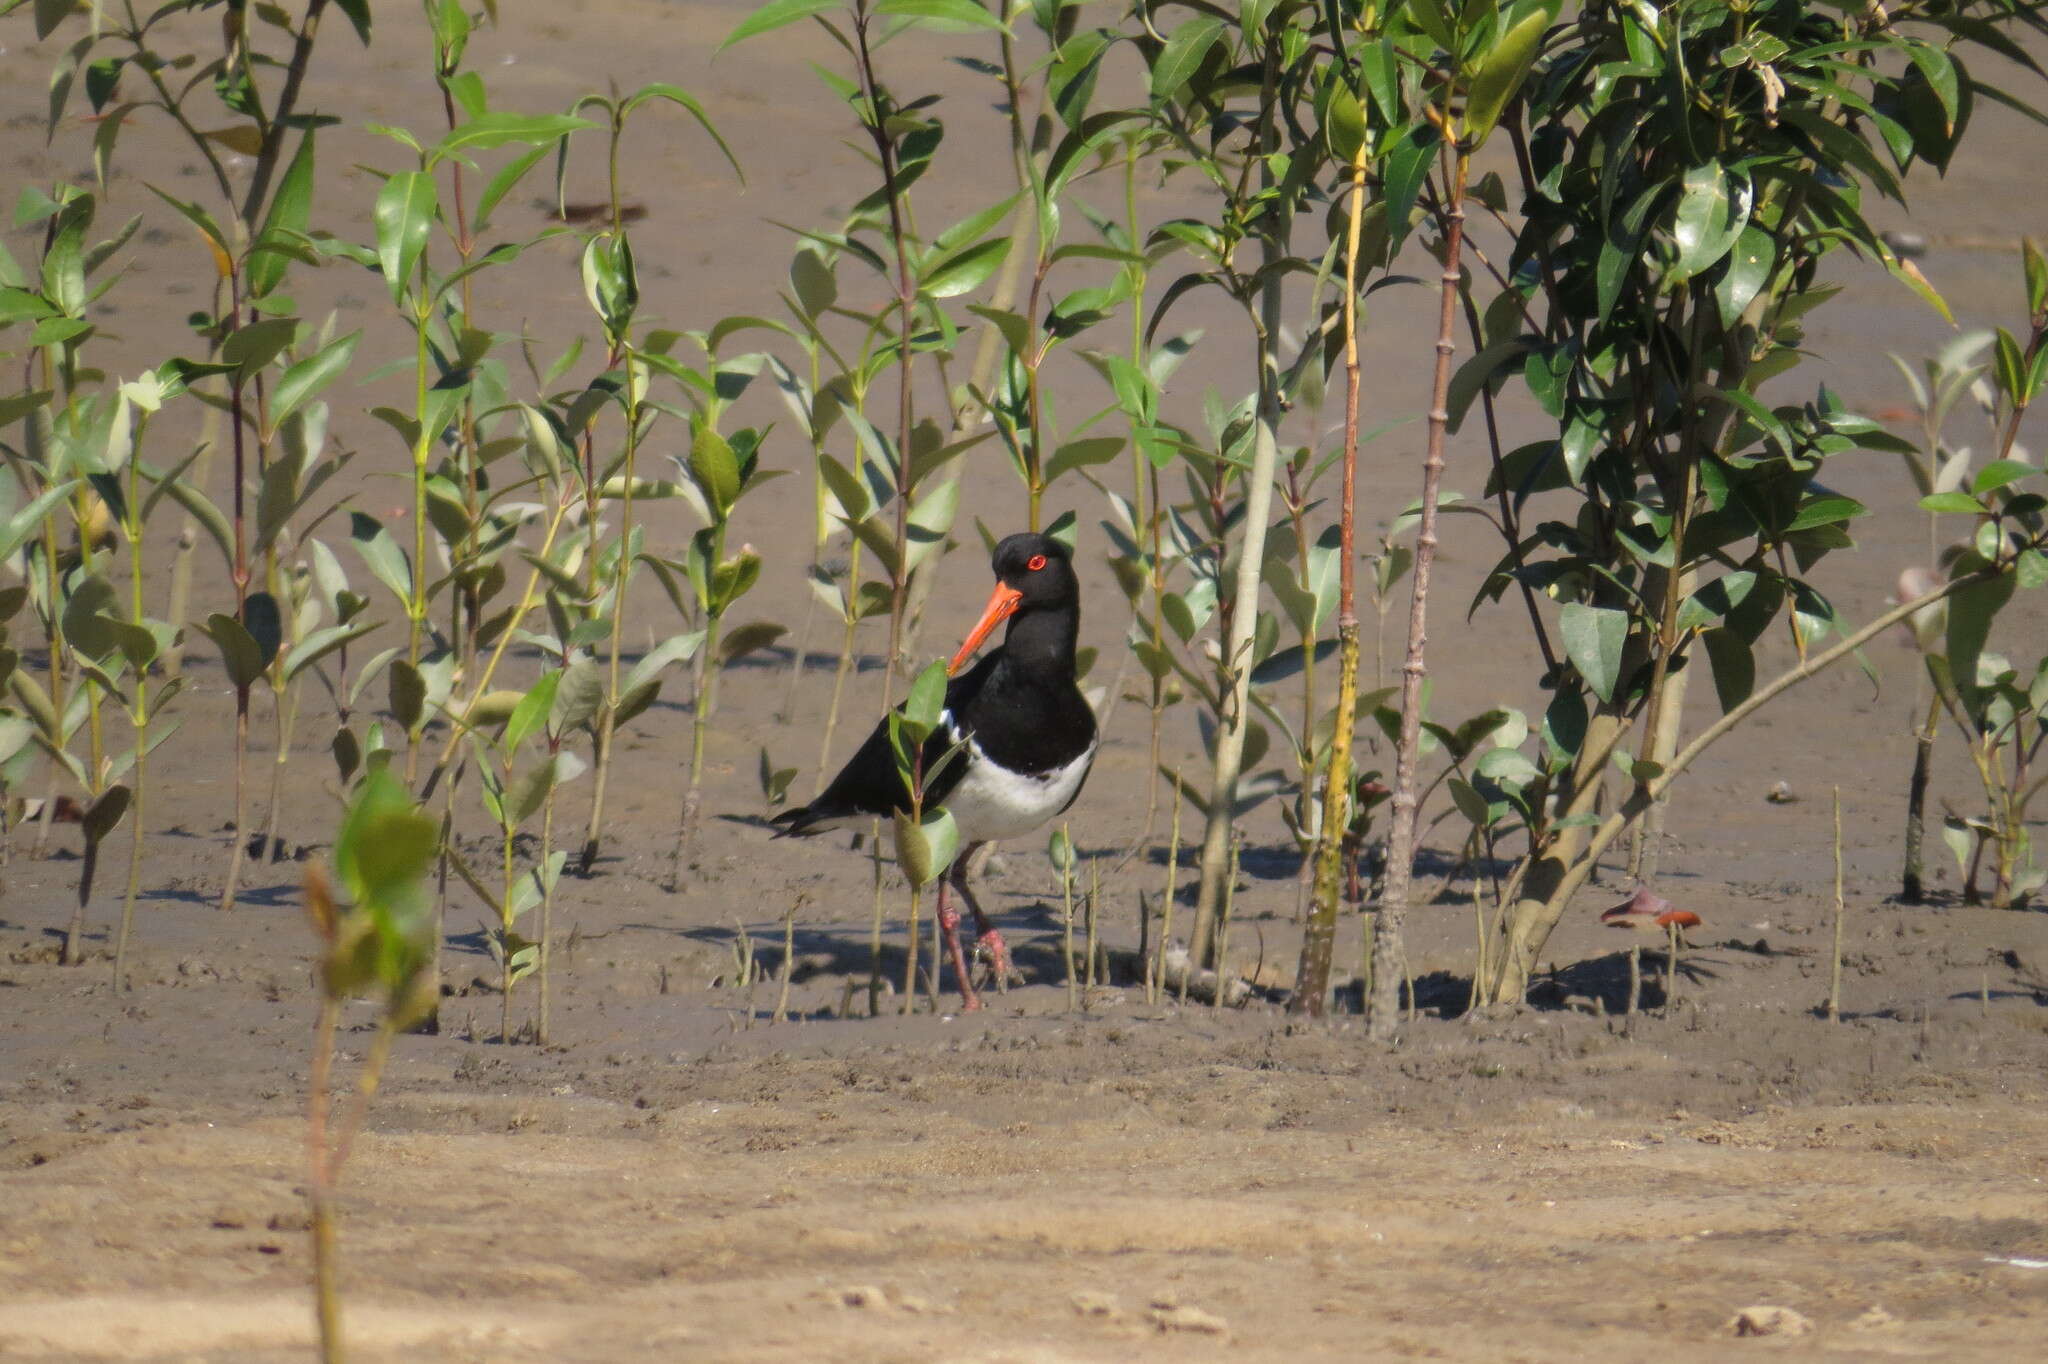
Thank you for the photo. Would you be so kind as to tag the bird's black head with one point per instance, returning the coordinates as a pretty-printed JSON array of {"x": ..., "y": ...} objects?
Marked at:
[
  {"x": 1037, "y": 594},
  {"x": 1039, "y": 568}
]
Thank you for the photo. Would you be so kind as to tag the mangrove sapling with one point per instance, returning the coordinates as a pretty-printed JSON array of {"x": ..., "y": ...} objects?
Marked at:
[
  {"x": 267, "y": 213},
  {"x": 2002, "y": 712},
  {"x": 408, "y": 209},
  {"x": 918, "y": 276},
  {"x": 1189, "y": 91},
  {"x": 1935, "y": 467},
  {"x": 146, "y": 394},
  {"x": 83, "y": 445},
  {"x": 1969, "y": 575},
  {"x": 611, "y": 282},
  {"x": 720, "y": 472},
  {"x": 378, "y": 946},
  {"x": 1661, "y": 291},
  {"x": 514, "y": 794},
  {"x": 1059, "y": 850},
  {"x": 926, "y": 840},
  {"x": 1483, "y": 55},
  {"x": 65, "y": 425}
]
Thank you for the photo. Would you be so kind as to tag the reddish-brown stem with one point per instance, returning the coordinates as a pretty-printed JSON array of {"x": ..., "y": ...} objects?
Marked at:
[{"x": 1383, "y": 1014}]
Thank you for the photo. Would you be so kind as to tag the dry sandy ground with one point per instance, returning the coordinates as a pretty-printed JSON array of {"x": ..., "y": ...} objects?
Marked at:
[{"x": 683, "y": 1178}]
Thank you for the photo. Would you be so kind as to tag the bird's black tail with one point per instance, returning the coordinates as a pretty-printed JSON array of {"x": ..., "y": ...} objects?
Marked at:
[{"x": 806, "y": 820}]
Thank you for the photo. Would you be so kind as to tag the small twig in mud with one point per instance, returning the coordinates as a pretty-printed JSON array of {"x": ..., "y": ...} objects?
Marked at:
[
  {"x": 1155, "y": 977},
  {"x": 1094, "y": 896},
  {"x": 1835, "y": 965},
  {"x": 788, "y": 958}
]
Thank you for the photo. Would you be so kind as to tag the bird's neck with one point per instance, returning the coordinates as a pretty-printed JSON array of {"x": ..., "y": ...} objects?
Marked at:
[{"x": 1041, "y": 643}]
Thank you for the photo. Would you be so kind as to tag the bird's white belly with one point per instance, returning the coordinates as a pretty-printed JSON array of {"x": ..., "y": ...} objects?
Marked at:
[{"x": 992, "y": 802}]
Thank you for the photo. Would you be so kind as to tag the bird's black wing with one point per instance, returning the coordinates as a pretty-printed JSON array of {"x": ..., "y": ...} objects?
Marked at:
[{"x": 869, "y": 784}]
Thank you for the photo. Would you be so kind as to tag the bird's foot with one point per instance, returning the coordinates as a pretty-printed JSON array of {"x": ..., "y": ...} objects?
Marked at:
[{"x": 990, "y": 949}]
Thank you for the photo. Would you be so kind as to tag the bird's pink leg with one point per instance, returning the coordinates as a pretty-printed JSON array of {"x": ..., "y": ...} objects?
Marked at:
[
  {"x": 987, "y": 938},
  {"x": 949, "y": 929}
]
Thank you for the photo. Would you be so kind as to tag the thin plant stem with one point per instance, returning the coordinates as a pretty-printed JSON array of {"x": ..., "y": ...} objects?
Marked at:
[
  {"x": 788, "y": 962},
  {"x": 875, "y": 929},
  {"x": 1244, "y": 599},
  {"x": 1067, "y": 923},
  {"x": 1312, "y": 978},
  {"x": 326, "y": 1290},
  {"x": 906, "y": 303},
  {"x": 541, "y": 1035},
  {"x": 1094, "y": 897},
  {"x": 1172, "y": 893}
]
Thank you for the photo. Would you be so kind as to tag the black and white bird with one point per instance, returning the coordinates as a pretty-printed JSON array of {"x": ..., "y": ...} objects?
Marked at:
[{"x": 1026, "y": 736}]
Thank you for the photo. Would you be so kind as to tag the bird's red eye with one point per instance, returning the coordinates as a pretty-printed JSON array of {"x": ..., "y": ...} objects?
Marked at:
[{"x": 1036, "y": 562}]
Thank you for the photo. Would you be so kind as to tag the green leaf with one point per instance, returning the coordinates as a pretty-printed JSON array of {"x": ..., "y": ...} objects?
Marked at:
[
  {"x": 18, "y": 405},
  {"x": 105, "y": 813},
  {"x": 1183, "y": 54},
  {"x": 1958, "y": 502},
  {"x": 1940, "y": 70},
  {"x": 926, "y": 848},
  {"x": 776, "y": 14},
  {"x": 742, "y": 640},
  {"x": 927, "y": 698},
  {"x": 1750, "y": 263},
  {"x": 577, "y": 697},
  {"x": 303, "y": 381},
  {"x": 386, "y": 843},
  {"x": 1908, "y": 274},
  {"x": 1081, "y": 454},
  {"x": 715, "y": 468},
  {"x": 289, "y": 215},
  {"x": 964, "y": 271},
  {"x": 27, "y": 522},
  {"x": 1827, "y": 510},
  {"x": 1470, "y": 803},
  {"x": 1407, "y": 165},
  {"x": 1970, "y": 613},
  {"x": 962, "y": 13},
  {"x": 1500, "y": 72},
  {"x": 1282, "y": 664},
  {"x": 406, "y": 693},
  {"x": 1711, "y": 216},
  {"x": 814, "y": 282},
  {"x": 531, "y": 713},
  {"x": 240, "y": 655},
  {"x": 404, "y": 215},
  {"x": 1998, "y": 474},
  {"x": 1734, "y": 666},
  {"x": 1594, "y": 638},
  {"x": 252, "y": 346},
  {"x": 321, "y": 643},
  {"x": 264, "y": 623},
  {"x": 209, "y": 230},
  {"x": 381, "y": 554},
  {"x": 523, "y": 796},
  {"x": 495, "y": 130},
  {"x": 1344, "y": 125},
  {"x": 675, "y": 94}
]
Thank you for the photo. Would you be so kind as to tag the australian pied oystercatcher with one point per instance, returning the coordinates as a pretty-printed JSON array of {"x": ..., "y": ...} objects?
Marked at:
[{"x": 1029, "y": 737}]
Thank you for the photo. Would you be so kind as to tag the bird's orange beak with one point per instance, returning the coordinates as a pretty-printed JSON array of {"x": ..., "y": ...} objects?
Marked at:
[{"x": 1002, "y": 604}]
